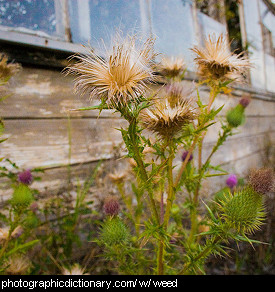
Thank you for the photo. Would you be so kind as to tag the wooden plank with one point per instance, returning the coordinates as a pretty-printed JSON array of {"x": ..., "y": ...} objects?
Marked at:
[
  {"x": 42, "y": 93},
  {"x": 44, "y": 143},
  {"x": 232, "y": 150},
  {"x": 252, "y": 126}
]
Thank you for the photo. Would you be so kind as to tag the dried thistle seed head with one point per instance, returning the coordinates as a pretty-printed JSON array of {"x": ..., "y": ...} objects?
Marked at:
[
  {"x": 262, "y": 180},
  {"x": 215, "y": 61},
  {"x": 76, "y": 269},
  {"x": 171, "y": 66},
  {"x": 17, "y": 265},
  {"x": 118, "y": 177},
  {"x": 114, "y": 231},
  {"x": 167, "y": 120},
  {"x": 176, "y": 92},
  {"x": 244, "y": 211},
  {"x": 17, "y": 232},
  {"x": 121, "y": 77},
  {"x": 111, "y": 206},
  {"x": 4, "y": 234},
  {"x": 7, "y": 70}
]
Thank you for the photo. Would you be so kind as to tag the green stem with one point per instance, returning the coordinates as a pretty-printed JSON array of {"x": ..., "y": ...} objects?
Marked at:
[
  {"x": 186, "y": 161},
  {"x": 170, "y": 198},
  {"x": 120, "y": 187},
  {"x": 143, "y": 174},
  {"x": 202, "y": 254},
  {"x": 194, "y": 222},
  {"x": 171, "y": 194}
]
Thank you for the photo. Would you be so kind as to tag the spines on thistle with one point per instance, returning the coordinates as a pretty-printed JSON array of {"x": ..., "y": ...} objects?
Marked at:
[
  {"x": 216, "y": 62},
  {"x": 243, "y": 211},
  {"x": 119, "y": 78},
  {"x": 114, "y": 232},
  {"x": 170, "y": 113},
  {"x": 7, "y": 69},
  {"x": 236, "y": 117},
  {"x": 22, "y": 196},
  {"x": 171, "y": 67}
]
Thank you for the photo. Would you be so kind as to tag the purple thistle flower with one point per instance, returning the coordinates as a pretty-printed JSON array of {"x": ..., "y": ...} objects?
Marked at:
[
  {"x": 111, "y": 206},
  {"x": 184, "y": 155},
  {"x": 25, "y": 177},
  {"x": 232, "y": 181},
  {"x": 245, "y": 101}
]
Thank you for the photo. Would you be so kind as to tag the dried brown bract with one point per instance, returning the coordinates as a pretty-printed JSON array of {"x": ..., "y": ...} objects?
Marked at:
[
  {"x": 117, "y": 177},
  {"x": 262, "y": 180},
  {"x": 165, "y": 119},
  {"x": 120, "y": 77},
  {"x": 74, "y": 270},
  {"x": 215, "y": 61},
  {"x": 171, "y": 66},
  {"x": 17, "y": 265},
  {"x": 7, "y": 69}
]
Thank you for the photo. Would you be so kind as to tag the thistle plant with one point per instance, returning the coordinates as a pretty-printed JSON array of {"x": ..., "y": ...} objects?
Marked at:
[{"x": 149, "y": 234}]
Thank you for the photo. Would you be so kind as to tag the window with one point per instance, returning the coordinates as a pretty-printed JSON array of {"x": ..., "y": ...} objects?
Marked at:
[
  {"x": 234, "y": 26},
  {"x": 267, "y": 41},
  {"x": 43, "y": 23},
  {"x": 65, "y": 24},
  {"x": 30, "y": 15},
  {"x": 212, "y": 8},
  {"x": 211, "y": 17},
  {"x": 92, "y": 20}
]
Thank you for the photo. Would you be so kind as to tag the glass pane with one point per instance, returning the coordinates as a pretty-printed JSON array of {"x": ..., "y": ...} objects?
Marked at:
[
  {"x": 34, "y": 15},
  {"x": 172, "y": 24},
  {"x": 209, "y": 26},
  {"x": 93, "y": 20}
]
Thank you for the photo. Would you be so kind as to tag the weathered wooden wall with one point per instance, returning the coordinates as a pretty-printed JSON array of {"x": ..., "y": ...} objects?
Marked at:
[{"x": 38, "y": 131}]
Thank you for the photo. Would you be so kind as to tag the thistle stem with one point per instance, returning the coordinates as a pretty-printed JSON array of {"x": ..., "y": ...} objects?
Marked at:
[
  {"x": 213, "y": 94},
  {"x": 202, "y": 254},
  {"x": 177, "y": 180},
  {"x": 120, "y": 187},
  {"x": 171, "y": 194},
  {"x": 170, "y": 199},
  {"x": 143, "y": 175}
]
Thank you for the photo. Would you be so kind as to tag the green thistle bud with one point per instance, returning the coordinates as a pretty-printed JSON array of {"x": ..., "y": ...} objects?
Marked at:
[
  {"x": 22, "y": 196},
  {"x": 244, "y": 211},
  {"x": 114, "y": 231},
  {"x": 235, "y": 117}
]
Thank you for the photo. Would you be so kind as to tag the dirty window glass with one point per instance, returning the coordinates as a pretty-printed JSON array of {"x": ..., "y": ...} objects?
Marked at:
[
  {"x": 94, "y": 20},
  {"x": 29, "y": 15},
  {"x": 172, "y": 23}
]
